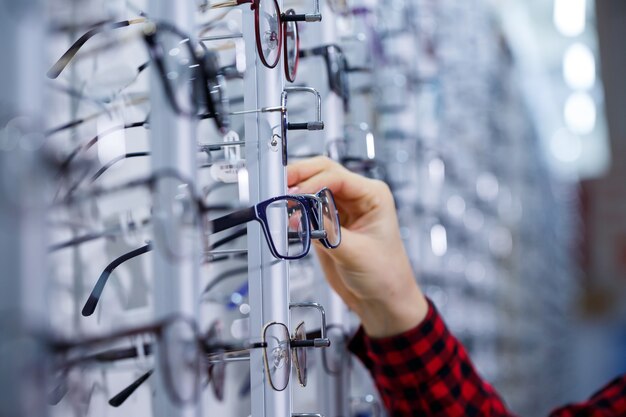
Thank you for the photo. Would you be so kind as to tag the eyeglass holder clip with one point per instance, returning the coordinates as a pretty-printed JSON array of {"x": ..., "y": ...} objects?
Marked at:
[
  {"x": 322, "y": 341},
  {"x": 317, "y": 124},
  {"x": 316, "y": 16}
]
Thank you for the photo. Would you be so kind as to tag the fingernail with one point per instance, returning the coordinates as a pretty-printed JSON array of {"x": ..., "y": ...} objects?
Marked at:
[{"x": 293, "y": 190}]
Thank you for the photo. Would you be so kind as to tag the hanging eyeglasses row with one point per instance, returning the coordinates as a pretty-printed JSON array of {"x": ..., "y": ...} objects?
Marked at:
[
  {"x": 157, "y": 223},
  {"x": 148, "y": 208}
]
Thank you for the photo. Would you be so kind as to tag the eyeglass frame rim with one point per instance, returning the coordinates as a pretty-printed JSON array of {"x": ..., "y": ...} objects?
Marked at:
[
  {"x": 157, "y": 55},
  {"x": 257, "y": 213},
  {"x": 320, "y": 222}
]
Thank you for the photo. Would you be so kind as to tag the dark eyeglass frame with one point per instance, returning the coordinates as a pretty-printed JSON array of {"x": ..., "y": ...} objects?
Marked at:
[
  {"x": 201, "y": 63},
  {"x": 204, "y": 346},
  {"x": 314, "y": 217},
  {"x": 258, "y": 213},
  {"x": 58, "y": 67},
  {"x": 210, "y": 78},
  {"x": 289, "y": 16},
  {"x": 337, "y": 68},
  {"x": 296, "y": 345}
]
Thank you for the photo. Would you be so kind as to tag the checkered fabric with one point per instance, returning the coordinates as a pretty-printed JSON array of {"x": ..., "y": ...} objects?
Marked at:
[{"x": 427, "y": 372}]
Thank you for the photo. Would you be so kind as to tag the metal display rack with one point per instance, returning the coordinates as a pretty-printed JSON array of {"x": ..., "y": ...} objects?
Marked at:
[{"x": 410, "y": 122}]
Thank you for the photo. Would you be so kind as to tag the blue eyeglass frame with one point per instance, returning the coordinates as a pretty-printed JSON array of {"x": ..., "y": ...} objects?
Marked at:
[{"x": 258, "y": 213}]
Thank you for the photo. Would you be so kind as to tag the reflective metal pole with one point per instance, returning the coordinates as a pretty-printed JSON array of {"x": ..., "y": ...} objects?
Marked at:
[
  {"x": 173, "y": 146},
  {"x": 268, "y": 280},
  {"x": 23, "y": 179}
]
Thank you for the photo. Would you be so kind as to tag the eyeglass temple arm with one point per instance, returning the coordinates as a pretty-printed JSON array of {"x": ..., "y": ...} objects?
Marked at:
[
  {"x": 320, "y": 50},
  {"x": 123, "y": 395},
  {"x": 95, "y": 139},
  {"x": 96, "y": 293},
  {"x": 316, "y": 16},
  {"x": 83, "y": 239},
  {"x": 318, "y": 124},
  {"x": 228, "y": 3},
  {"x": 221, "y": 37},
  {"x": 322, "y": 341},
  {"x": 65, "y": 59},
  {"x": 112, "y": 162},
  {"x": 233, "y": 219}
]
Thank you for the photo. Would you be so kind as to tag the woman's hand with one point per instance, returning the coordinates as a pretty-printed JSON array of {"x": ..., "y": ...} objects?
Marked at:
[{"x": 370, "y": 269}]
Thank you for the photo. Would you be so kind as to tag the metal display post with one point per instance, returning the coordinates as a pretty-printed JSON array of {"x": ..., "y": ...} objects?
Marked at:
[
  {"x": 174, "y": 146},
  {"x": 23, "y": 236},
  {"x": 268, "y": 280}
]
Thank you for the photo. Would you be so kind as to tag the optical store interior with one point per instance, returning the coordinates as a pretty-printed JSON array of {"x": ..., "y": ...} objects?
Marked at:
[{"x": 157, "y": 262}]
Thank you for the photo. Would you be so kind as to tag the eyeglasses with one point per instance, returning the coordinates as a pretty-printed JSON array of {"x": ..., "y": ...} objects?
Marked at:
[
  {"x": 212, "y": 351},
  {"x": 205, "y": 148},
  {"x": 290, "y": 40},
  {"x": 279, "y": 349},
  {"x": 326, "y": 218},
  {"x": 96, "y": 293},
  {"x": 182, "y": 66},
  {"x": 285, "y": 126},
  {"x": 131, "y": 100},
  {"x": 69, "y": 55},
  {"x": 193, "y": 82},
  {"x": 269, "y": 34},
  {"x": 337, "y": 68},
  {"x": 342, "y": 151},
  {"x": 286, "y": 222},
  {"x": 183, "y": 356},
  {"x": 167, "y": 195}
]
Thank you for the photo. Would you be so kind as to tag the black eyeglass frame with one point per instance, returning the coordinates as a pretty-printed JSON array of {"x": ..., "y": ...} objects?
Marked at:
[{"x": 258, "y": 213}]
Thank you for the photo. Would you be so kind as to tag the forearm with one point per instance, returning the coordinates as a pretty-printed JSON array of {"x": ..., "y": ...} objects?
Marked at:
[{"x": 426, "y": 371}]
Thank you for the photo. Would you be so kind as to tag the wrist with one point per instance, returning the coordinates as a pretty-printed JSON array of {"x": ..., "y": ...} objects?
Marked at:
[{"x": 393, "y": 315}]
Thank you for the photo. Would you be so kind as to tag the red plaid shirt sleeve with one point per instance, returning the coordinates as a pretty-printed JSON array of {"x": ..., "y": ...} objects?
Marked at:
[{"x": 427, "y": 372}]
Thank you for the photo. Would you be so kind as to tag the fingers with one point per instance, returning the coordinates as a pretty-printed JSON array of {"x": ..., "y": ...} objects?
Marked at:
[
  {"x": 301, "y": 170},
  {"x": 312, "y": 174}
]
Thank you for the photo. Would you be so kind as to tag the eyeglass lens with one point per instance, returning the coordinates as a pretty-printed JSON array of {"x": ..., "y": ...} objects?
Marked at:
[
  {"x": 277, "y": 355},
  {"x": 287, "y": 228},
  {"x": 329, "y": 217},
  {"x": 335, "y": 355},
  {"x": 180, "y": 355},
  {"x": 269, "y": 31},
  {"x": 299, "y": 355},
  {"x": 182, "y": 71},
  {"x": 291, "y": 48},
  {"x": 174, "y": 199}
]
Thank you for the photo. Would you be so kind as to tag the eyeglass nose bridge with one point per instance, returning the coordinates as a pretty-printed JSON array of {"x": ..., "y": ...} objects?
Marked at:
[
  {"x": 318, "y": 124},
  {"x": 321, "y": 341}
]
